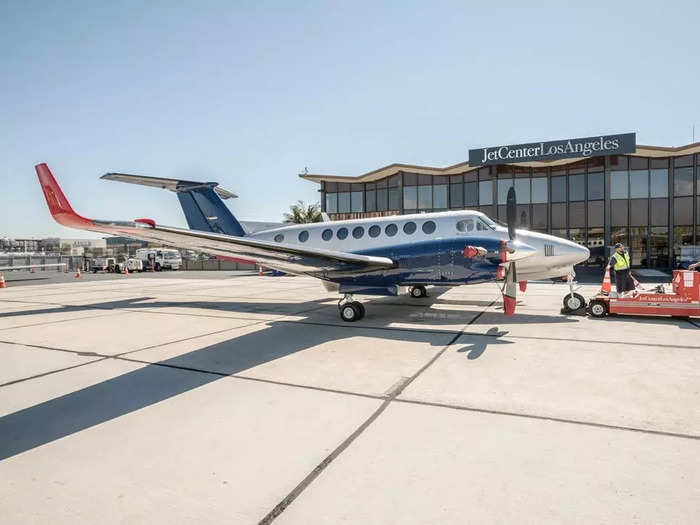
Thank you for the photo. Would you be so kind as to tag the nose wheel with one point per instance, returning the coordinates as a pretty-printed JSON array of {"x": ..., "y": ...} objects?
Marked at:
[
  {"x": 418, "y": 291},
  {"x": 573, "y": 301},
  {"x": 350, "y": 310}
]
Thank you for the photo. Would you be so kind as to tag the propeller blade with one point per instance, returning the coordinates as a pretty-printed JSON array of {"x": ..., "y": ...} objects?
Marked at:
[
  {"x": 511, "y": 212},
  {"x": 511, "y": 290}
]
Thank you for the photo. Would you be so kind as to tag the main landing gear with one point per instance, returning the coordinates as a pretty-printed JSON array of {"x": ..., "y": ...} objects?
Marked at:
[
  {"x": 418, "y": 291},
  {"x": 350, "y": 310}
]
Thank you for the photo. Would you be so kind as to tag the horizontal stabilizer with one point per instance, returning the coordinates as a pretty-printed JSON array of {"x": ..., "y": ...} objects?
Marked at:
[{"x": 175, "y": 185}]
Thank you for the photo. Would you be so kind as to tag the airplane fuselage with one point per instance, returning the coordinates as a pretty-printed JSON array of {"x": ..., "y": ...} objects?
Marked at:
[{"x": 430, "y": 248}]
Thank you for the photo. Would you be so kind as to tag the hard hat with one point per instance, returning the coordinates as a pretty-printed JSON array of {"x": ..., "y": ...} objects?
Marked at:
[{"x": 619, "y": 245}]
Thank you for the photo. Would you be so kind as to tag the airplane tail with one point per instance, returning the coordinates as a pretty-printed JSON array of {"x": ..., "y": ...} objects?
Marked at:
[{"x": 201, "y": 202}]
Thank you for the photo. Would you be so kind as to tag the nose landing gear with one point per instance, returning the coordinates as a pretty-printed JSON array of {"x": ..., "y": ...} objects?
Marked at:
[
  {"x": 573, "y": 301},
  {"x": 350, "y": 310}
]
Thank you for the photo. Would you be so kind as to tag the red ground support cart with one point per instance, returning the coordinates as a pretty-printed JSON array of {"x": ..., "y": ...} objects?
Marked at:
[{"x": 682, "y": 301}]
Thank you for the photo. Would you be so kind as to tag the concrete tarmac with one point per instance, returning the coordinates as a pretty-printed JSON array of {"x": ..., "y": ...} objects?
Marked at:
[{"x": 210, "y": 397}]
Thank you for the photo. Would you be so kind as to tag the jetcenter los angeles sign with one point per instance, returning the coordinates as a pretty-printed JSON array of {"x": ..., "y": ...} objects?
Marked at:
[{"x": 557, "y": 149}]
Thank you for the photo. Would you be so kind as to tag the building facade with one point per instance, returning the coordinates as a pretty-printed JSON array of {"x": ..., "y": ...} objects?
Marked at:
[{"x": 649, "y": 200}]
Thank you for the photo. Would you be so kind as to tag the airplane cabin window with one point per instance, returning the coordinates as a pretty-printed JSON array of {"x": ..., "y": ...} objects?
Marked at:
[
  {"x": 327, "y": 234},
  {"x": 303, "y": 236},
  {"x": 428, "y": 227},
  {"x": 279, "y": 237},
  {"x": 374, "y": 231},
  {"x": 358, "y": 232},
  {"x": 391, "y": 230},
  {"x": 466, "y": 225},
  {"x": 409, "y": 228},
  {"x": 481, "y": 226},
  {"x": 342, "y": 233}
]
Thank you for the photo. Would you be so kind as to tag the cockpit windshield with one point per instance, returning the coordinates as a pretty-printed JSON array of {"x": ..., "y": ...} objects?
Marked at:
[{"x": 491, "y": 225}]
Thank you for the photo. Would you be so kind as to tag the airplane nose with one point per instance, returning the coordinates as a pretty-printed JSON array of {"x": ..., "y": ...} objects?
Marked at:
[{"x": 572, "y": 252}]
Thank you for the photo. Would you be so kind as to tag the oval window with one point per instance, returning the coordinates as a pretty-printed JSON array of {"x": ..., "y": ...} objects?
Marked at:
[
  {"x": 374, "y": 231},
  {"x": 358, "y": 232},
  {"x": 342, "y": 233},
  {"x": 327, "y": 234},
  {"x": 428, "y": 227},
  {"x": 303, "y": 236},
  {"x": 409, "y": 228},
  {"x": 279, "y": 237},
  {"x": 391, "y": 230}
]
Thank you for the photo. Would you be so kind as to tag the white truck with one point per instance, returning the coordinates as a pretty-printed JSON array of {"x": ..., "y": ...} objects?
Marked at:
[{"x": 159, "y": 258}]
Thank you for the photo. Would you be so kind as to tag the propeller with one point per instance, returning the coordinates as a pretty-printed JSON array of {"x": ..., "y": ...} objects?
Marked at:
[{"x": 510, "y": 291}]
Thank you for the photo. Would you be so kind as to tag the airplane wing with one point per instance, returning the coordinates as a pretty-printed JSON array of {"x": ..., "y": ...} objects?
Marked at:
[{"x": 279, "y": 256}]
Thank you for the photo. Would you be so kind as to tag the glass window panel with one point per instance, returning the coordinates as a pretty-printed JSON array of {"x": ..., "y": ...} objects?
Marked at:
[
  {"x": 558, "y": 189},
  {"x": 682, "y": 211},
  {"x": 577, "y": 214},
  {"x": 539, "y": 190},
  {"x": 440, "y": 197},
  {"x": 618, "y": 234},
  {"x": 503, "y": 186},
  {"x": 330, "y": 187},
  {"x": 522, "y": 214},
  {"x": 577, "y": 235},
  {"x": 577, "y": 167},
  {"x": 356, "y": 201},
  {"x": 440, "y": 179},
  {"x": 577, "y": 187},
  {"x": 596, "y": 245},
  {"x": 485, "y": 192},
  {"x": 618, "y": 162},
  {"x": 659, "y": 212},
  {"x": 596, "y": 214},
  {"x": 382, "y": 183},
  {"x": 639, "y": 184},
  {"x": 410, "y": 179},
  {"x": 471, "y": 176},
  {"x": 344, "y": 202},
  {"x": 343, "y": 186},
  {"x": 659, "y": 183},
  {"x": 618, "y": 212},
  {"x": 425, "y": 180},
  {"x": 456, "y": 195},
  {"x": 619, "y": 185},
  {"x": 331, "y": 203},
  {"x": 558, "y": 215},
  {"x": 522, "y": 191},
  {"x": 410, "y": 197},
  {"x": 658, "y": 163},
  {"x": 686, "y": 160},
  {"x": 539, "y": 216},
  {"x": 596, "y": 164},
  {"x": 470, "y": 194},
  {"x": 659, "y": 247},
  {"x": 683, "y": 181},
  {"x": 382, "y": 199},
  {"x": 682, "y": 236},
  {"x": 596, "y": 186},
  {"x": 394, "y": 181},
  {"x": 394, "y": 199},
  {"x": 501, "y": 214},
  {"x": 425, "y": 197},
  {"x": 639, "y": 163},
  {"x": 485, "y": 173},
  {"x": 639, "y": 212},
  {"x": 638, "y": 246},
  {"x": 371, "y": 200},
  {"x": 559, "y": 233}
]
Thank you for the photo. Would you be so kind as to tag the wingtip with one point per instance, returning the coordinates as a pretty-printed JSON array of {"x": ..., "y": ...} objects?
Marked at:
[{"x": 58, "y": 204}]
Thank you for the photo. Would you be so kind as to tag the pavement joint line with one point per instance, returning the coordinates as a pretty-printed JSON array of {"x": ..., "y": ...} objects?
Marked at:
[
  {"x": 296, "y": 491},
  {"x": 53, "y": 322},
  {"x": 548, "y": 418},
  {"x": 37, "y": 376}
]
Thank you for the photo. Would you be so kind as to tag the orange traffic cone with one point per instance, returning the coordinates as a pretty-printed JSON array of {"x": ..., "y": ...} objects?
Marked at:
[
  {"x": 606, "y": 288},
  {"x": 77, "y": 274},
  {"x": 260, "y": 272},
  {"x": 2, "y": 281},
  {"x": 126, "y": 269}
]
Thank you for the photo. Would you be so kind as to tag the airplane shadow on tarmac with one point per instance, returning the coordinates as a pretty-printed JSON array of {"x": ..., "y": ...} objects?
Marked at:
[{"x": 153, "y": 383}]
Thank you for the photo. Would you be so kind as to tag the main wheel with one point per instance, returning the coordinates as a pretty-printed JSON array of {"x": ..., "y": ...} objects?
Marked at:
[
  {"x": 574, "y": 302},
  {"x": 361, "y": 308},
  {"x": 598, "y": 308},
  {"x": 349, "y": 312},
  {"x": 419, "y": 291}
]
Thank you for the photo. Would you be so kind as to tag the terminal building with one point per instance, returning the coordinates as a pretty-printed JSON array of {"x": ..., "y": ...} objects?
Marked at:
[{"x": 649, "y": 199}]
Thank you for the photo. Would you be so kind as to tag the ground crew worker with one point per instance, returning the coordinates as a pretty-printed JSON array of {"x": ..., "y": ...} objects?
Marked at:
[
  {"x": 695, "y": 266},
  {"x": 620, "y": 262}
]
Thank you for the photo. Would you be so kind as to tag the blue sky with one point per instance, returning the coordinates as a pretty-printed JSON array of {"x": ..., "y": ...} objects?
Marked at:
[{"x": 248, "y": 94}]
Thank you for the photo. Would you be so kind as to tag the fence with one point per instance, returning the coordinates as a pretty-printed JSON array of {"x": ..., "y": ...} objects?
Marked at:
[
  {"x": 72, "y": 262},
  {"x": 216, "y": 265}
]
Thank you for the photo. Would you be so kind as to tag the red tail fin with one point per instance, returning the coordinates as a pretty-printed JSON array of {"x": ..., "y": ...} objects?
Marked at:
[{"x": 59, "y": 206}]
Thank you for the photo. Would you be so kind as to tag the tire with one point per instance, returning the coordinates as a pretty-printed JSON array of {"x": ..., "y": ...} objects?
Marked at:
[
  {"x": 361, "y": 309},
  {"x": 574, "y": 303},
  {"x": 349, "y": 312},
  {"x": 419, "y": 291},
  {"x": 598, "y": 308}
]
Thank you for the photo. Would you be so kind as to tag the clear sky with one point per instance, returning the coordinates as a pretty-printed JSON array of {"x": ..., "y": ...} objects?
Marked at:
[{"x": 248, "y": 94}]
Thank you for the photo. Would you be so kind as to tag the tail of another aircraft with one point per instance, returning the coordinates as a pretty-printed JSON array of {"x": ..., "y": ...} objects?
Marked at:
[{"x": 201, "y": 202}]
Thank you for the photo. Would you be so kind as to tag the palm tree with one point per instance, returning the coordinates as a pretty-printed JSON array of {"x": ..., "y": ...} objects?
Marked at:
[{"x": 301, "y": 213}]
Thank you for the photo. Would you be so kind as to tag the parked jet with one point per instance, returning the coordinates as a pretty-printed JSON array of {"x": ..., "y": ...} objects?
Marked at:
[{"x": 375, "y": 256}]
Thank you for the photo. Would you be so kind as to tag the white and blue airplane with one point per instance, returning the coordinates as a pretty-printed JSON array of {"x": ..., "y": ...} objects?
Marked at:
[{"x": 374, "y": 256}]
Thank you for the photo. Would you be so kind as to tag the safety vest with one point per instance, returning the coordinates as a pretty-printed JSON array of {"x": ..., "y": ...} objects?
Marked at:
[{"x": 622, "y": 261}]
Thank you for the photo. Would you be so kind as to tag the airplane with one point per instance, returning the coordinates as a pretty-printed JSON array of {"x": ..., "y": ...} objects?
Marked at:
[{"x": 371, "y": 256}]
